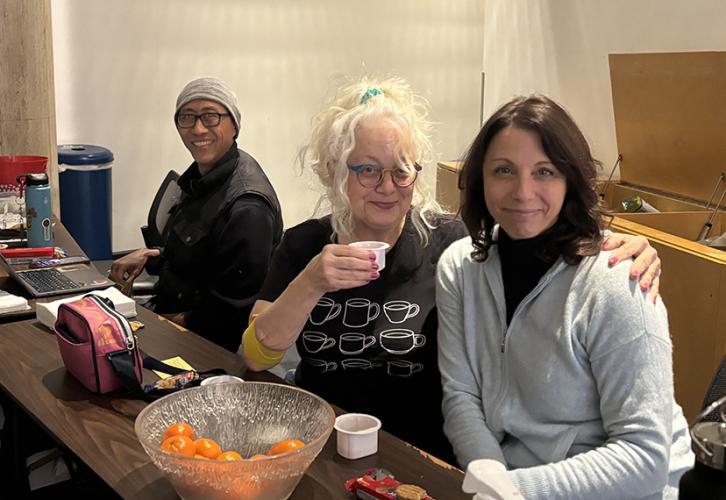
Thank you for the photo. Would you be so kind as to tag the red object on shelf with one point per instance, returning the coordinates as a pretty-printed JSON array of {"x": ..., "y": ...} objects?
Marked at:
[{"x": 19, "y": 253}]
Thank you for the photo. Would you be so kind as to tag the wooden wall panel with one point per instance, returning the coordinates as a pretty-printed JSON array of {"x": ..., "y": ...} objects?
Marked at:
[
  {"x": 27, "y": 96},
  {"x": 669, "y": 119}
]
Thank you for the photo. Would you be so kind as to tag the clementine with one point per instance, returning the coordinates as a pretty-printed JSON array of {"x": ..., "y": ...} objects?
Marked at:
[
  {"x": 183, "y": 445},
  {"x": 285, "y": 446},
  {"x": 257, "y": 456},
  {"x": 207, "y": 448},
  {"x": 179, "y": 429},
  {"x": 229, "y": 455}
]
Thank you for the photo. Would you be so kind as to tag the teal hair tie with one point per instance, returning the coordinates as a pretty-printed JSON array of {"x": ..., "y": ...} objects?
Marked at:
[{"x": 370, "y": 93}]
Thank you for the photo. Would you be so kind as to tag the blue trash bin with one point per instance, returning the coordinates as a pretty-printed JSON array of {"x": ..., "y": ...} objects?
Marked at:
[{"x": 85, "y": 196}]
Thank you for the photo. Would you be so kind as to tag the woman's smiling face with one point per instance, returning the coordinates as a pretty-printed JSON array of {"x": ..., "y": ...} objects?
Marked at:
[
  {"x": 379, "y": 212},
  {"x": 524, "y": 191}
]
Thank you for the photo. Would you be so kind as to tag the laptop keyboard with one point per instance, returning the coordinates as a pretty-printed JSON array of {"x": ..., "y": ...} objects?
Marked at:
[{"x": 48, "y": 280}]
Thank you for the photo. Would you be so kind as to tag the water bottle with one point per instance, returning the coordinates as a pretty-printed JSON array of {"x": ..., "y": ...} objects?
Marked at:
[
  {"x": 37, "y": 209},
  {"x": 636, "y": 204},
  {"x": 707, "y": 479}
]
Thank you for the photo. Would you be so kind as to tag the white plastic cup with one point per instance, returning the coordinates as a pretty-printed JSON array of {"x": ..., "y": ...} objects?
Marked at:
[
  {"x": 221, "y": 379},
  {"x": 377, "y": 247},
  {"x": 357, "y": 435}
]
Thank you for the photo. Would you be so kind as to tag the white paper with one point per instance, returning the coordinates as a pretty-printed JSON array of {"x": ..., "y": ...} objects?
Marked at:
[
  {"x": 47, "y": 312},
  {"x": 12, "y": 303}
]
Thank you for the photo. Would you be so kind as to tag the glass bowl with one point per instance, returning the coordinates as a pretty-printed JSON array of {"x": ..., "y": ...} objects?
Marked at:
[{"x": 247, "y": 418}]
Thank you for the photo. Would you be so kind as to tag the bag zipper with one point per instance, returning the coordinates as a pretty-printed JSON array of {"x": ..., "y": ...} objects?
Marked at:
[{"x": 120, "y": 319}]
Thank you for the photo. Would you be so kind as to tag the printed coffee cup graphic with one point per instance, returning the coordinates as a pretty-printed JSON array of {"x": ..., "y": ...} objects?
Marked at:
[
  {"x": 316, "y": 341},
  {"x": 325, "y": 310},
  {"x": 358, "y": 364},
  {"x": 401, "y": 341},
  {"x": 354, "y": 342},
  {"x": 360, "y": 312},
  {"x": 398, "y": 311},
  {"x": 403, "y": 368},
  {"x": 324, "y": 366}
]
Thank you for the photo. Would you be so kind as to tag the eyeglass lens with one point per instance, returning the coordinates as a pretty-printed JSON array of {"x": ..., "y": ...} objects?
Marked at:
[
  {"x": 372, "y": 175},
  {"x": 188, "y": 120}
]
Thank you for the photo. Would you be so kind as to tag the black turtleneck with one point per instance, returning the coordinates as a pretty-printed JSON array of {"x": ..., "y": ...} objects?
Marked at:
[{"x": 522, "y": 267}]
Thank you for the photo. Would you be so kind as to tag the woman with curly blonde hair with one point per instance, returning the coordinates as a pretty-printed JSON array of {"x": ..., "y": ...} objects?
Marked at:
[
  {"x": 366, "y": 333},
  {"x": 333, "y": 139}
]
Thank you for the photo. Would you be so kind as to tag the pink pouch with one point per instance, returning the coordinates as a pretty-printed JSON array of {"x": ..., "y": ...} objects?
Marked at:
[{"x": 89, "y": 333}]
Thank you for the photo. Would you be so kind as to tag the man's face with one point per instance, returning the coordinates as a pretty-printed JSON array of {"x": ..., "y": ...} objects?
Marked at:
[{"x": 207, "y": 144}]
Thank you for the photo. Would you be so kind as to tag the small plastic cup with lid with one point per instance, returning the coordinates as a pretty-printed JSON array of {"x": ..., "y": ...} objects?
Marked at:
[{"x": 357, "y": 435}]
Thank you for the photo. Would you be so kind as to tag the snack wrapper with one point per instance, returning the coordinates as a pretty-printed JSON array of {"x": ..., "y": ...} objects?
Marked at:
[
  {"x": 380, "y": 484},
  {"x": 173, "y": 382}
]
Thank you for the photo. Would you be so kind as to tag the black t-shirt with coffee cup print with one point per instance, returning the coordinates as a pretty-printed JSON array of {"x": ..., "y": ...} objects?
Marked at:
[{"x": 372, "y": 349}]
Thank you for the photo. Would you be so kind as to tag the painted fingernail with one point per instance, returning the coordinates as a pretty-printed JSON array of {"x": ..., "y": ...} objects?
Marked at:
[
  {"x": 612, "y": 261},
  {"x": 645, "y": 287},
  {"x": 371, "y": 255},
  {"x": 634, "y": 275},
  {"x": 375, "y": 275},
  {"x": 374, "y": 266}
]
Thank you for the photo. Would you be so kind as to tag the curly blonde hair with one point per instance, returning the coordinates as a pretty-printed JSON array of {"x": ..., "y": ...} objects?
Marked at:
[{"x": 333, "y": 139}]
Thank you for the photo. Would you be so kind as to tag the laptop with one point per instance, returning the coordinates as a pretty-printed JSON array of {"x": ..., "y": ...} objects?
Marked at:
[{"x": 57, "y": 280}]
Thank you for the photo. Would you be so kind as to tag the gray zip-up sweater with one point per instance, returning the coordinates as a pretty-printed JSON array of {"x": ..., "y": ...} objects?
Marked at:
[{"x": 575, "y": 396}]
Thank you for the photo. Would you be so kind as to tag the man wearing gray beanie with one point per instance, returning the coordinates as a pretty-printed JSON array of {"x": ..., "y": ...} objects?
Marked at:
[
  {"x": 214, "y": 90},
  {"x": 213, "y": 253}
]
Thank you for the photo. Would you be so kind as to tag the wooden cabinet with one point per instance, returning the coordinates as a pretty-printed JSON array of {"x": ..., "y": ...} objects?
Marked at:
[
  {"x": 693, "y": 288},
  {"x": 671, "y": 131},
  {"x": 447, "y": 188}
]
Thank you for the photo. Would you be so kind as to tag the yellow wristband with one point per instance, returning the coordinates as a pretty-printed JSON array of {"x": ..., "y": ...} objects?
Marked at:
[{"x": 256, "y": 352}]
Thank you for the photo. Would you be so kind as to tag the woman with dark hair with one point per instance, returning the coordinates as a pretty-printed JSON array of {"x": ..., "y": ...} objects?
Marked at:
[{"x": 551, "y": 362}]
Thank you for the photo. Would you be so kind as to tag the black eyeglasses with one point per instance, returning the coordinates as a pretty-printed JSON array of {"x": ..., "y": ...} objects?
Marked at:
[
  {"x": 370, "y": 176},
  {"x": 188, "y": 120}
]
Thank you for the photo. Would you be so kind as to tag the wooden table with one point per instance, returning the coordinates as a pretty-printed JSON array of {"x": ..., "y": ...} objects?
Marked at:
[{"x": 100, "y": 429}]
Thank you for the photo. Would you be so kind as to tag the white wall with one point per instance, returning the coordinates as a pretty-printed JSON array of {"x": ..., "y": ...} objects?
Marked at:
[
  {"x": 561, "y": 47},
  {"x": 120, "y": 65}
]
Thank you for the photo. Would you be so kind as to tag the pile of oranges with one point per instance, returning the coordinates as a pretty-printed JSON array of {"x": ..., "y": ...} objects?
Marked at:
[{"x": 180, "y": 438}]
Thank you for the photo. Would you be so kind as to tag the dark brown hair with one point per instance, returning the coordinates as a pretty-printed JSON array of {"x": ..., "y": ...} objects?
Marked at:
[{"x": 576, "y": 233}]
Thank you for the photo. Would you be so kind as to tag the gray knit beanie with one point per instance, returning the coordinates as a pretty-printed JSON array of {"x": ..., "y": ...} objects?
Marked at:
[{"x": 213, "y": 89}]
